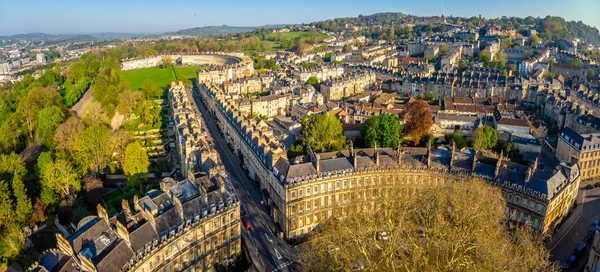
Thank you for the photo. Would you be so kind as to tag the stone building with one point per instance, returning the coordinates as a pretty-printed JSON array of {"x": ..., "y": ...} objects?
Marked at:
[
  {"x": 322, "y": 73},
  {"x": 303, "y": 191},
  {"x": 188, "y": 225},
  {"x": 583, "y": 149},
  {"x": 347, "y": 85}
]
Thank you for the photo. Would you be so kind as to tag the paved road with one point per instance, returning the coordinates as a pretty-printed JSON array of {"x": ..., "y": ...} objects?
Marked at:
[
  {"x": 577, "y": 232},
  {"x": 268, "y": 251}
]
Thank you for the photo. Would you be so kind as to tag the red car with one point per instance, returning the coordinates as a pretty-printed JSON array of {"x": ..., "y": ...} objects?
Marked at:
[{"x": 247, "y": 224}]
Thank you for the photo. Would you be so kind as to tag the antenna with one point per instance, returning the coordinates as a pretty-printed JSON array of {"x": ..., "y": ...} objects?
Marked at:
[{"x": 443, "y": 12}]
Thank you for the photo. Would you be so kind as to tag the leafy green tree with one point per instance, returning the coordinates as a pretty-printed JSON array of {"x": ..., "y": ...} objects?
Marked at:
[
  {"x": 459, "y": 139},
  {"x": 491, "y": 137},
  {"x": 512, "y": 67},
  {"x": 76, "y": 72},
  {"x": 313, "y": 81},
  {"x": 6, "y": 209},
  {"x": 60, "y": 177},
  {"x": 485, "y": 59},
  {"x": 322, "y": 133},
  {"x": 384, "y": 130},
  {"x": 534, "y": 40},
  {"x": 577, "y": 62},
  {"x": 590, "y": 73},
  {"x": 92, "y": 147},
  {"x": 49, "y": 118},
  {"x": 136, "y": 160},
  {"x": 30, "y": 105},
  {"x": 479, "y": 140}
]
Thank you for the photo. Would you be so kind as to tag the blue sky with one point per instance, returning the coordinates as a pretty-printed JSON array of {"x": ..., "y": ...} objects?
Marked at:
[{"x": 150, "y": 16}]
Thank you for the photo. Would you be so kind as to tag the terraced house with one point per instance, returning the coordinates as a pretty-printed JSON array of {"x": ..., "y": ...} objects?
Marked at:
[
  {"x": 189, "y": 225},
  {"x": 303, "y": 191}
]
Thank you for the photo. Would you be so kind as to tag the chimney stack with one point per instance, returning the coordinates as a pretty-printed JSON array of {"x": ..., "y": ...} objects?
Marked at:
[{"x": 499, "y": 163}]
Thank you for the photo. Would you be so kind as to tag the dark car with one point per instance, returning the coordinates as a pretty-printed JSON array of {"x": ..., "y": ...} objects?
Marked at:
[
  {"x": 589, "y": 187},
  {"x": 243, "y": 213},
  {"x": 579, "y": 249},
  {"x": 569, "y": 262}
]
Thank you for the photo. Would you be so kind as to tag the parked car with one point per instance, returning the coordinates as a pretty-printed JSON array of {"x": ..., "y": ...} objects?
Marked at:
[
  {"x": 247, "y": 224},
  {"x": 579, "y": 249},
  {"x": 243, "y": 213},
  {"x": 569, "y": 263},
  {"x": 589, "y": 187}
]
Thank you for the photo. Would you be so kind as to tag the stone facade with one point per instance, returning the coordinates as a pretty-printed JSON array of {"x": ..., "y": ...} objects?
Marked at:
[{"x": 347, "y": 85}]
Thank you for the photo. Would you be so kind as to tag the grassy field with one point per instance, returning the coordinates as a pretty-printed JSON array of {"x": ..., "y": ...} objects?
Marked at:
[
  {"x": 160, "y": 77},
  {"x": 295, "y": 34},
  {"x": 187, "y": 72}
]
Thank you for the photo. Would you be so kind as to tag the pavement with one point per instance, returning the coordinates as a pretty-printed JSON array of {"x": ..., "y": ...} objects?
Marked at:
[
  {"x": 268, "y": 251},
  {"x": 575, "y": 229}
]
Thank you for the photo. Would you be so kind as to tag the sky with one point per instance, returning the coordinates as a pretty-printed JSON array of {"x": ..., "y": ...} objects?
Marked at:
[{"x": 153, "y": 17}]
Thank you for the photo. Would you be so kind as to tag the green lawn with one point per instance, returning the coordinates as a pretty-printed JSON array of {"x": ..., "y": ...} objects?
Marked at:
[
  {"x": 160, "y": 77},
  {"x": 187, "y": 72},
  {"x": 295, "y": 34}
]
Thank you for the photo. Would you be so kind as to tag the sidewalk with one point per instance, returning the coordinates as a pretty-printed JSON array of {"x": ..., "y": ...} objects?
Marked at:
[{"x": 566, "y": 226}]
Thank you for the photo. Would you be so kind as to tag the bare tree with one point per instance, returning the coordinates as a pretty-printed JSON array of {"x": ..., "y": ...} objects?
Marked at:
[{"x": 458, "y": 226}]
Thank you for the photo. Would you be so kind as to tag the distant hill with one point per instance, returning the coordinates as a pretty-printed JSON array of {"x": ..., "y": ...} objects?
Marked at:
[
  {"x": 91, "y": 36},
  {"x": 219, "y": 30}
]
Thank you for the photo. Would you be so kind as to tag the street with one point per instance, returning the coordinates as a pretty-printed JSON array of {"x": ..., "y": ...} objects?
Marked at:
[
  {"x": 268, "y": 251},
  {"x": 576, "y": 232}
]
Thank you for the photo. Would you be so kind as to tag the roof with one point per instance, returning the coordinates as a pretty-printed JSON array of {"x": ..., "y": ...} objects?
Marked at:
[{"x": 581, "y": 142}]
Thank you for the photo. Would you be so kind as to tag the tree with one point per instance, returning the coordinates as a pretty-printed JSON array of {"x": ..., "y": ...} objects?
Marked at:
[
  {"x": 313, "y": 81},
  {"x": 66, "y": 133},
  {"x": 120, "y": 140},
  {"x": 92, "y": 147},
  {"x": 49, "y": 118},
  {"x": 483, "y": 57},
  {"x": 30, "y": 105},
  {"x": 577, "y": 62},
  {"x": 76, "y": 72},
  {"x": 300, "y": 48},
  {"x": 136, "y": 160},
  {"x": 60, "y": 177},
  {"x": 458, "y": 225},
  {"x": 150, "y": 90},
  {"x": 459, "y": 139},
  {"x": 417, "y": 120},
  {"x": 128, "y": 101},
  {"x": 6, "y": 209},
  {"x": 512, "y": 67},
  {"x": 491, "y": 137},
  {"x": 500, "y": 60},
  {"x": 590, "y": 73},
  {"x": 443, "y": 49},
  {"x": 381, "y": 129},
  {"x": 479, "y": 141},
  {"x": 166, "y": 61},
  {"x": 534, "y": 40},
  {"x": 322, "y": 133}
]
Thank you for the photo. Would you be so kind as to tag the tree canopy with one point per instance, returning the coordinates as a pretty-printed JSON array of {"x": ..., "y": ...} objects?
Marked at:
[
  {"x": 322, "y": 133},
  {"x": 136, "y": 160},
  {"x": 92, "y": 147},
  {"x": 484, "y": 137},
  {"x": 417, "y": 120},
  {"x": 459, "y": 225},
  {"x": 384, "y": 130}
]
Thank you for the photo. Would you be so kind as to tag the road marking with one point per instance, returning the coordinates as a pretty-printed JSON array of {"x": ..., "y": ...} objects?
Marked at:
[
  {"x": 279, "y": 267},
  {"x": 277, "y": 254},
  {"x": 268, "y": 238}
]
